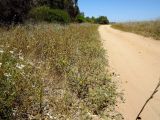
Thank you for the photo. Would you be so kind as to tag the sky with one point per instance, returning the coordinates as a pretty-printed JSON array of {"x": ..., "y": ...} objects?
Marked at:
[{"x": 122, "y": 10}]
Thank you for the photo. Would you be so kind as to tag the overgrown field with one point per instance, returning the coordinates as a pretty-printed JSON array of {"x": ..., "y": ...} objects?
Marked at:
[
  {"x": 148, "y": 29},
  {"x": 54, "y": 72}
]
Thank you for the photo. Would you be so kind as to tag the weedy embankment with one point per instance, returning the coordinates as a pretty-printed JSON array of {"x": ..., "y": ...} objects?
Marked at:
[{"x": 54, "y": 72}]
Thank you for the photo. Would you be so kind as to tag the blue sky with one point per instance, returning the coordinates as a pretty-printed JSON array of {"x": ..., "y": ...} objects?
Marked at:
[{"x": 122, "y": 10}]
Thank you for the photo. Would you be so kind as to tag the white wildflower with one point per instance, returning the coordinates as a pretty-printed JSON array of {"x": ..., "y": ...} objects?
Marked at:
[
  {"x": 11, "y": 52},
  {"x": 20, "y": 66},
  {"x": 7, "y": 74},
  {"x": 51, "y": 117},
  {"x": 1, "y": 51},
  {"x": 48, "y": 114},
  {"x": 20, "y": 53},
  {"x": 0, "y": 64},
  {"x": 21, "y": 58},
  {"x": 33, "y": 86}
]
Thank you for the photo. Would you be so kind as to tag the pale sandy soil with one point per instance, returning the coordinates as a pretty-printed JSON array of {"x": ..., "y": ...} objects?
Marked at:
[{"x": 137, "y": 60}]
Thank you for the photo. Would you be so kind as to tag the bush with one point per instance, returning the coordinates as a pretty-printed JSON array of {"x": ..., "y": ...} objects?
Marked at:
[
  {"x": 44, "y": 13},
  {"x": 102, "y": 20},
  {"x": 80, "y": 19},
  {"x": 69, "y": 6}
]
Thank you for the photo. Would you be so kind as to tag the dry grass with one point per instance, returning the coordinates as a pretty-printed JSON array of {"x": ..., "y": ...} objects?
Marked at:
[
  {"x": 54, "y": 72},
  {"x": 148, "y": 29}
]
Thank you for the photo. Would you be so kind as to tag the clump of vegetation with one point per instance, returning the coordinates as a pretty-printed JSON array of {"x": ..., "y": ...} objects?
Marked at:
[
  {"x": 54, "y": 72},
  {"x": 99, "y": 20},
  {"x": 44, "y": 13},
  {"x": 80, "y": 18},
  {"x": 102, "y": 20},
  {"x": 70, "y": 6},
  {"x": 148, "y": 28}
]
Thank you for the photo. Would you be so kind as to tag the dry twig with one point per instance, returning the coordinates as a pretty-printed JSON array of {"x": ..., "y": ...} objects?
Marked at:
[{"x": 151, "y": 97}]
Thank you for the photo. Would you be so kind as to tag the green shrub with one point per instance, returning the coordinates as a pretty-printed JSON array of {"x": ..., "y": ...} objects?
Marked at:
[
  {"x": 89, "y": 20},
  {"x": 80, "y": 18},
  {"x": 102, "y": 20},
  {"x": 44, "y": 13}
]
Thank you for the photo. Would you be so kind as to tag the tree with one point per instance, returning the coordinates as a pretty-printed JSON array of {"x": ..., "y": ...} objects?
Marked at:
[
  {"x": 72, "y": 8},
  {"x": 102, "y": 20},
  {"x": 14, "y": 10}
]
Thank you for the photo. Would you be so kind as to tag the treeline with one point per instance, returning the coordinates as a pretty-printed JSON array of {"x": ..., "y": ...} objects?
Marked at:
[
  {"x": 18, "y": 10},
  {"x": 63, "y": 11},
  {"x": 99, "y": 20}
]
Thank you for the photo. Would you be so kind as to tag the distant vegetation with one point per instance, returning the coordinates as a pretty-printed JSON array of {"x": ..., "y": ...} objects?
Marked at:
[
  {"x": 53, "y": 71},
  {"x": 61, "y": 11},
  {"x": 102, "y": 20},
  {"x": 17, "y": 11},
  {"x": 99, "y": 20},
  {"x": 148, "y": 28}
]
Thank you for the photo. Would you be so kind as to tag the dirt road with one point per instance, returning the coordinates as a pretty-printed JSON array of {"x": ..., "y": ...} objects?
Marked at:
[{"x": 137, "y": 60}]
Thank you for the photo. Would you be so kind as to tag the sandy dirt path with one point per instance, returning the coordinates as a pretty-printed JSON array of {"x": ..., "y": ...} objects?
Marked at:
[{"x": 137, "y": 60}]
